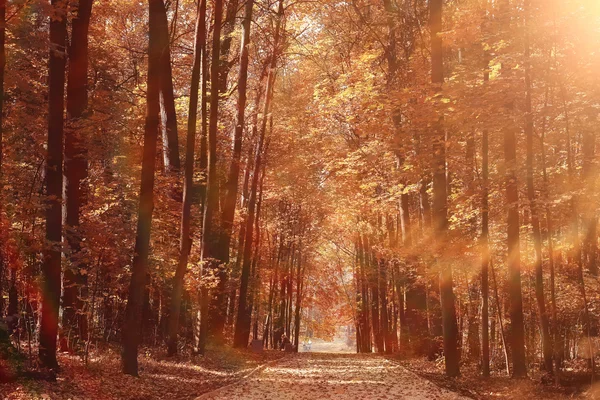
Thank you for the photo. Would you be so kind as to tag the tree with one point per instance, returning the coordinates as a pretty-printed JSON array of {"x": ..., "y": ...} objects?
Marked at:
[
  {"x": 133, "y": 313},
  {"x": 51, "y": 267},
  {"x": 76, "y": 171},
  {"x": 513, "y": 261},
  {"x": 210, "y": 234},
  {"x": 534, "y": 210},
  {"x": 243, "y": 322},
  {"x": 185, "y": 238},
  {"x": 231, "y": 186},
  {"x": 440, "y": 199}
]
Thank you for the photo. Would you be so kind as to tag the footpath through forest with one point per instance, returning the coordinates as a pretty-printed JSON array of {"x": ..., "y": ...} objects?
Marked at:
[{"x": 333, "y": 376}]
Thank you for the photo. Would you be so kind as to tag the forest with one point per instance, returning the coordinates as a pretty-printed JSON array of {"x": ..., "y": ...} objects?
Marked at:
[{"x": 190, "y": 189}]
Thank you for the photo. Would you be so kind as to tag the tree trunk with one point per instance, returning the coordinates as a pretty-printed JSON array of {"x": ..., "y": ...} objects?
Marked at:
[
  {"x": 533, "y": 207},
  {"x": 51, "y": 267},
  {"x": 242, "y": 326},
  {"x": 440, "y": 199},
  {"x": 76, "y": 167},
  {"x": 485, "y": 244},
  {"x": 297, "y": 312},
  {"x": 3, "y": 265},
  {"x": 133, "y": 313},
  {"x": 513, "y": 262},
  {"x": 185, "y": 243},
  {"x": 211, "y": 220},
  {"x": 550, "y": 233},
  {"x": 234, "y": 169}
]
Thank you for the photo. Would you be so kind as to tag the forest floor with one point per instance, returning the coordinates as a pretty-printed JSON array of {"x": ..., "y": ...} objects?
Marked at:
[
  {"x": 181, "y": 377},
  {"x": 311, "y": 376},
  {"x": 573, "y": 385}
]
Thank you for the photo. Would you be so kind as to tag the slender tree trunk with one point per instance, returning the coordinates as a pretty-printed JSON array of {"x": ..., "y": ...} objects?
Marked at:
[
  {"x": 243, "y": 321},
  {"x": 211, "y": 220},
  {"x": 185, "y": 243},
  {"x": 242, "y": 327},
  {"x": 499, "y": 312},
  {"x": 133, "y": 313},
  {"x": 202, "y": 329},
  {"x": 485, "y": 244},
  {"x": 76, "y": 167},
  {"x": 219, "y": 315},
  {"x": 513, "y": 262},
  {"x": 535, "y": 222},
  {"x": 234, "y": 169},
  {"x": 550, "y": 233},
  {"x": 440, "y": 200},
  {"x": 3, "y": 267},
  {"x": 297, "y": 313},
  {"x": 51, "y": 267},
  {"x": 485, "y": 258},
  {"x": 385, "y": 331}
]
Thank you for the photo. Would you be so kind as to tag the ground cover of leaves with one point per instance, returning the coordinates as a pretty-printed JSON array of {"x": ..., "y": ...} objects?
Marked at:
[
  {"x": 574, "y": 383},
  {"x": 182, "y": 377},
  {"x": 310, "y": 376}
]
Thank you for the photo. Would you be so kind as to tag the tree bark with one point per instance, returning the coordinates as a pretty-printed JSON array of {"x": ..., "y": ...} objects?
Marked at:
[
  {"x": 513, "y": 262},
  {"x": 485, "y": 244},
  {"x": 242, "y": 327},
  {"x": 133, "y": 313},
  {"x": 485, "y": 258},
  {"x": 440, "y": 200},
  {"x": 3, "y": 266},
  {"x": 533, "y": 207},
  {"x": 210, "y": 235},
  {"x": 76, "y": 171},
  {"x": 51, "y": 267},
  {"x": 231, "y": 187},
  {"x": 185, "y": 243}
]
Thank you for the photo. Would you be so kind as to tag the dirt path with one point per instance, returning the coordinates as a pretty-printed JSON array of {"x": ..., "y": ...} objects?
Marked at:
[{"x": 308, "y": 376}]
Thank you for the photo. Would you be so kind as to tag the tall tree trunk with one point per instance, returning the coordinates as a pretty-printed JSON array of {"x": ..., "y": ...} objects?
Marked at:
[
  {"x": 588, "y": 172},
  {"x": 513, "y": 262},
  {"x": 231, "y": 188},
  {"x": 440, "y": 199},
  {"x": 3, "y": 267},
  {"x": 210, "y": 235},
  {"x": 385, "y": 331},
  {"x": 219, "y": 314},
  {"x": 485, "y": 244},
  {"x": 51, "y": 267},
  {"x": 535, "y": 221},
  {"x": 76, "y": 167},
  {"x": 485, "y": 258},
  {"x": 201, "y": 329},
  {"x": 550, "y": 233},
  {"x": 135, "y": 302},
  {"x": 242, "y": 326},
  {"x": 185, "y": 243},
  {"x": 297, "y": 312},
  {"x": 364, "y": 288}
]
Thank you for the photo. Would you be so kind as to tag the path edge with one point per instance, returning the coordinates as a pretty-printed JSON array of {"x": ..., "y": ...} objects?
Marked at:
[
  {"x": 410, "y": 371},
  {"x": 253, "y": 372}
]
